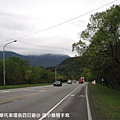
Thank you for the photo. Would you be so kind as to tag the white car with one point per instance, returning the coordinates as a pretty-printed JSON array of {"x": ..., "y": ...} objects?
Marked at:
[{"x": 69, "y": 82}]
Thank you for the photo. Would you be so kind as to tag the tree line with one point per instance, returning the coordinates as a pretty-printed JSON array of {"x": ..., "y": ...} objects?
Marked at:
[
  {"x": 99, "y": 48},
  {"x": 19, "y": 71}
]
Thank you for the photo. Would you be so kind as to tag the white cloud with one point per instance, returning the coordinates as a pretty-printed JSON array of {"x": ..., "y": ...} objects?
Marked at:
[{"x": 19, "y": 18}]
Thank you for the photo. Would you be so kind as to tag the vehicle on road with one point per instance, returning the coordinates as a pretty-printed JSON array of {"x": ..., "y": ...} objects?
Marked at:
[
  {"x": 74, "y": 81},
  {"x": 69, "y": 82},
  {"x": 57, "y": 83},
  {"x": 81, "y": 80}
]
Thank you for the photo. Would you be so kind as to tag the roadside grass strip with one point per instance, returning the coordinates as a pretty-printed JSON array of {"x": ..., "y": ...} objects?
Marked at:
[
  {"x": 22, "y": 86},
  {"x": 106, "y": 102}
]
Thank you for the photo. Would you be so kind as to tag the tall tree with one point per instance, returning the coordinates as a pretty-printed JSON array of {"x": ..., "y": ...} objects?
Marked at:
[
  {"x": 15, "y": 70},
  {"x": 103, "y": 36}
]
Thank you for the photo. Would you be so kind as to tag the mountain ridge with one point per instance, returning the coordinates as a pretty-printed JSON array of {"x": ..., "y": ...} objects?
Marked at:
[{"x": 45, "y": 60}]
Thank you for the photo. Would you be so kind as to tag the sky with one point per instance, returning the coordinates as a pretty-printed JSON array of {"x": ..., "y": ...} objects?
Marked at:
[{"x": 46, "y": 26}]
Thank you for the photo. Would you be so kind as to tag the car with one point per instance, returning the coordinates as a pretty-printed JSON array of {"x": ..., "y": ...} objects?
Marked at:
[
  {"x": 57, "y": 83},
  {"x": 74, "y": 81},
  {"x": 69, "y": 82}
]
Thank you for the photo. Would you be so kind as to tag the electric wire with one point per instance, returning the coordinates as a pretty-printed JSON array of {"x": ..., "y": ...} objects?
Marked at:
[{"x": 30, "y": 34}]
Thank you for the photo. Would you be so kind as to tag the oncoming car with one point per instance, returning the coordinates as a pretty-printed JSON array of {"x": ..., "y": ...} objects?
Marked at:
[
  {"x": 69, "y": 82},
  {"x": 57, "y": 83},
  {"x": 74, "y": 81}
]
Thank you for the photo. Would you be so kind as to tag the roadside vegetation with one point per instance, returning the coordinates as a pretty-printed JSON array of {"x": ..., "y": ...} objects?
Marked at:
[
  {"x": 99, "y": 48},
  {"x": 106, "y": 102},
  {"x": 20, "y": 72}
]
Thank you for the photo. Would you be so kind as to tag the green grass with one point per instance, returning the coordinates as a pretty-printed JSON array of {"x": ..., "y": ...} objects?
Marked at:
[
  {"x": 106, "y": 102},
  {"x": 22, "y": 86}
]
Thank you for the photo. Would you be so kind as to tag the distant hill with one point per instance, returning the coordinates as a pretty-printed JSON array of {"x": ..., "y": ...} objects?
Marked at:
[
  {"x": 45, "y": 60},
  {"x": 70, "y": 67}
]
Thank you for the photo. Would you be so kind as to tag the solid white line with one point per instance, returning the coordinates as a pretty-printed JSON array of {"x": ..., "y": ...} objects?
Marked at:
[
  {"x": 88, "y": 106},
  {"x": 58, "y": 104}
]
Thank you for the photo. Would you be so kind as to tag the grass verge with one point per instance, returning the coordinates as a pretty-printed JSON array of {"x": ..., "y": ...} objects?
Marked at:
[
  {"x": 22, "y": 86},
  {"x": 106, "y": 102}
]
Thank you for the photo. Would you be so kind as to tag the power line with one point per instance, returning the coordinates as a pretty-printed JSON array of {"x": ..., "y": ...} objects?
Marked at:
[
  {"x": 40, "y": 46},
  {"x": 63, "y": 22}
]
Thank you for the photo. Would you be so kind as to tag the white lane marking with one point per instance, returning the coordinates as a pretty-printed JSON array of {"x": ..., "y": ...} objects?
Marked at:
[
  {"x": 72, "y": 95},
  {"x": 35, "y": 90},
  {"x": 88, "y": 106},
  {"x": 58, "y": 104},
  {"x": 5, "y": 91}
]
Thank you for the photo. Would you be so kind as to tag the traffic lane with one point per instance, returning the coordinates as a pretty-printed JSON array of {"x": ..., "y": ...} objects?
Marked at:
[
  {"x": 73, "y": 108},
  {"x": 38, "y": 103},
  {"x": 16, "y": 94},
  {"x": 9, "y": 94},
  {"x": 77, "y": 109},
  {"x": 27, "y": 105}
]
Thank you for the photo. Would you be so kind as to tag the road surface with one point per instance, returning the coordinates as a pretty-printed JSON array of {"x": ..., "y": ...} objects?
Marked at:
[{"x": 68, "y": 102}]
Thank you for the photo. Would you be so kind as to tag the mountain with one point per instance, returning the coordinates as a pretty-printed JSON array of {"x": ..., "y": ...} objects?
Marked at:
[
  {"x": 70, "y": 67},
  {"x": 45, "y": 60}
]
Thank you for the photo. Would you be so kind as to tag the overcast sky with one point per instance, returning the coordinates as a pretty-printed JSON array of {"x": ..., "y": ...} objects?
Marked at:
[{"x": 32, "y": 23}]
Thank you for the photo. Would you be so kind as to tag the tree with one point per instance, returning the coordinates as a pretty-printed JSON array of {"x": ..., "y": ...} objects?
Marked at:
[
  {"x": 19, "y": 71},
  {"x": 103, "y": 36},
  {"x": 15, "y": 70}
]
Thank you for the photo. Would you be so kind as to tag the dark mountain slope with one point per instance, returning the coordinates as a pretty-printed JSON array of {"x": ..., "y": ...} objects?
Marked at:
[
  {"x": 69, "y": 67},
  {"x": 45, "y": 60}
]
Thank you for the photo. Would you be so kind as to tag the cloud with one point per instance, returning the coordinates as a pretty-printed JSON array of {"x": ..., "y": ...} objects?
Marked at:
[
  {"x": 11, "y": 21},
  {"x": 56, "y": 40},
  {"x": 31, "y": 23},
  {"x": 47, "y": 45}
]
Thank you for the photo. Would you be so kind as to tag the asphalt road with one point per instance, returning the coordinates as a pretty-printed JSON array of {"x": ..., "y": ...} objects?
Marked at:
[{"x": 45, "y": 102}]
